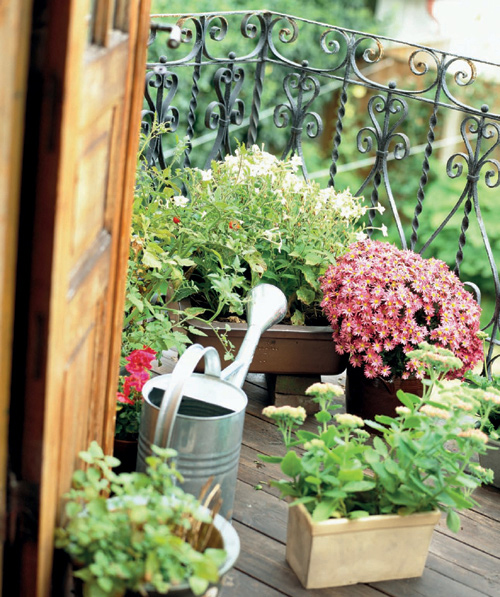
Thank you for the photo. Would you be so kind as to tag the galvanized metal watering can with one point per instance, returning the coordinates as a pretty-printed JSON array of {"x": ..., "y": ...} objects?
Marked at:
[{"x": 201, "y": 415}]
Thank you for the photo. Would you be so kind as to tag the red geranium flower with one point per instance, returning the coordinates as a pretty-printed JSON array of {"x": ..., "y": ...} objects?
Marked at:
[
  {"x": 120, "y": 397},
  {"x": 140, "y": 359}
]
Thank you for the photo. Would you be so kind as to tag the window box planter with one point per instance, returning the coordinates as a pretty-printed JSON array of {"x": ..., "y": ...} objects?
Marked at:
[
  {"x": 340, "y": 552},
  {"x": 283, "y": 349}
]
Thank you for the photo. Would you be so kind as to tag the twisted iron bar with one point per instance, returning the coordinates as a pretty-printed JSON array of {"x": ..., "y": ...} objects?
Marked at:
[{"x": 339, "y": 127}]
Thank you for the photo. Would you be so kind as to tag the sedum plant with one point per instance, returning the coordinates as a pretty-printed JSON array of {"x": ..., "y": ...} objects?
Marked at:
[
  {"x": 150, "y": 536},
  {"x": 420, "y": 462}
]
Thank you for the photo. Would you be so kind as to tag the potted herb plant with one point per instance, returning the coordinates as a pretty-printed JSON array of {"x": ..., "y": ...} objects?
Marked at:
[
  {"x": 250, "y": 219},
  {"x": 151, "y": 538},
  {"x": 371, "y": 506},
  {"x": 129, "y": 402},
  {"x": 382, "y": 302}
]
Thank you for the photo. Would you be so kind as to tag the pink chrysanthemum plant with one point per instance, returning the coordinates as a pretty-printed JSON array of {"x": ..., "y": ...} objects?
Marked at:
[
  {"x": 382, "y": 302},
  {"x": 129, "y": 397}
]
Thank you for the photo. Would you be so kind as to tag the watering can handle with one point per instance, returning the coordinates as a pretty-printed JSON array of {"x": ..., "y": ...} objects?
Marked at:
[{"x": 174, "y": 392}]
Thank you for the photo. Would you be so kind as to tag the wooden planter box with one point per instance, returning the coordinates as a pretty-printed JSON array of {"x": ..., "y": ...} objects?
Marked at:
[
  {"x": 341, "y": 552},
  {"x": 283, "y": 349}
]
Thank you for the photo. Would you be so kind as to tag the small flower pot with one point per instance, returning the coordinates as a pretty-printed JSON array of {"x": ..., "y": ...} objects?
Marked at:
[
  {"x": 342, "y": 552},
  {"x": 369, "y": 397},
  {"x": 224, "y": 536},
  {"x": 126, "y": 452},
  {"x": 492, "y": 460}
]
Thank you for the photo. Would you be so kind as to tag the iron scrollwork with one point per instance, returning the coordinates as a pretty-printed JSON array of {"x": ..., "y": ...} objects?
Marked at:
[
  {"x": 352, "y": 65},
  {"x": 160, "y": 112},
  {"x": 229, "y": 109},
  {"x": 296, "y": 113},
  {"x": 384, "y": 135}
]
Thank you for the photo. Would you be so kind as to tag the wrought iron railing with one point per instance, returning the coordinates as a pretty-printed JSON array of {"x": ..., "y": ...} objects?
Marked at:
[{"x": 371, "y": 92}]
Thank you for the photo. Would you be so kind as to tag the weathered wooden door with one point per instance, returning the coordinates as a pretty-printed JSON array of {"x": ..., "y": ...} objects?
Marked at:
[
  {"x": 15, "y": 19},
  {"x": 88, "y": 68}
]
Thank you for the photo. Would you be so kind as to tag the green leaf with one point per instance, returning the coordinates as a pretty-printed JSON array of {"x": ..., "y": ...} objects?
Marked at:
[
  {"x": 297, "y": 318},
  {"x": 307, "y": 499},
  {"x": 272, "y": 459},
  {"x": 384, "y": 419},
  {"x": 359, "y": 514},
  {"x": 136, "y": 302},
  {"x": 323, "y": 416},
  {"x": 149, "y": 260},
  {"x": 196, "y": 331},
  {"x": 313, "y": 480},
  {"x": 95, "y": 450},
  {"x": 97, "y": 507},
  {"x": 355, "y": 486},
  {"x": 306, "y": 295},
  {"x": 350, "y": 475},
  {"x": 183, "y": 262},
  {"x": 198, "y": 585},
  {"x": 106, "y": 584},
  {"x": 291, "y": 464},
  {"x": 73, "y": 509},
  {"x": 380, "y": 446},
  {"x": 460, "y": 501},
  {"x": 405, "y": 399},
  {"x": 313, "y": 259},
  {"x": 323, "y": 510},
  {"x": 453, "y": 521}
]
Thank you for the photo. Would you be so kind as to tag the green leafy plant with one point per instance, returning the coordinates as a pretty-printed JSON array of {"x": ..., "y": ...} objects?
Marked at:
[
  {"x": 149, "y": 536},
  {"x": 253, "y": 218},
  {"x": 155, "y": 269},
  {"x": 421, "y": 461}
]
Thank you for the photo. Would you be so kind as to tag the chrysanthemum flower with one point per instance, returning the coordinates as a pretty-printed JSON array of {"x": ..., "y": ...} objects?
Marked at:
[{"x": 382, "y": 302}]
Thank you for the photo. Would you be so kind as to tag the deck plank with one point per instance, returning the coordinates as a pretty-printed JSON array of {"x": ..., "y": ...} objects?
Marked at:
[
  {"x": 264, "y": 558},
  {"x": 237, "y": 583}
]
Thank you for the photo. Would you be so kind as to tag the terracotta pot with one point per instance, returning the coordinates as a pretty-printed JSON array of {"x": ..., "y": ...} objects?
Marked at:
[
  {"x": 492, "y": 460},
  {"x": 369, "y": 397},
  {"x": 283, "y": 349},
  {"x": 340, "y": 552},
  {"x": 126, "y": 452}
]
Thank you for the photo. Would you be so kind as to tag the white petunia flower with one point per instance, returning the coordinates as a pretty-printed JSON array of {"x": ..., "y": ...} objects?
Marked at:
[{"x": 180, "y": 200}]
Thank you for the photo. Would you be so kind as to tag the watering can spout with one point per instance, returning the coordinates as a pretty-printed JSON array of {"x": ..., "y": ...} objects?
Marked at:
[{"x": 266, "y": 306}]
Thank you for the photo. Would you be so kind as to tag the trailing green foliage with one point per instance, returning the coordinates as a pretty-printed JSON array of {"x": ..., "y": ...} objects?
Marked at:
[{"x": 149, "y": 536}]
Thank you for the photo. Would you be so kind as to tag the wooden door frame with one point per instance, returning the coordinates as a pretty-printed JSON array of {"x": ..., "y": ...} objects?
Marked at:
[
  {"x": 48, "y": 105},
  {"x": 15, "y": 28}
]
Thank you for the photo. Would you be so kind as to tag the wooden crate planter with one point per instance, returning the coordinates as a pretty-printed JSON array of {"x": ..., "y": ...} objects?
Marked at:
[{"x": 343, "y": 552}]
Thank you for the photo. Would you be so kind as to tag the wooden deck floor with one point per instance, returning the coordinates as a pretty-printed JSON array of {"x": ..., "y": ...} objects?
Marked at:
[{"x": 466, "y": 564}]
